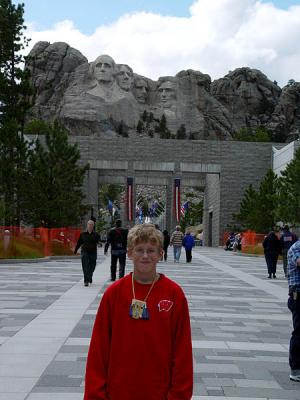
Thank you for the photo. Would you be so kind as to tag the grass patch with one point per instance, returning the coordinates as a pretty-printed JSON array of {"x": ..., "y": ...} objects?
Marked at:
[
  {"x": 20, "y": 247},
  {"x": 253, "y": 249}
]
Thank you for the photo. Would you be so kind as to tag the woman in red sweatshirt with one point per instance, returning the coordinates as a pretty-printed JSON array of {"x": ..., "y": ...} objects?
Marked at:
[{"x": 141, "y": 343}]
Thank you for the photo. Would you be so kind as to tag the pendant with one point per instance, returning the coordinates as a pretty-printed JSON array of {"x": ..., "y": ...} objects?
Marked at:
[{"x": 138, "y": 309}]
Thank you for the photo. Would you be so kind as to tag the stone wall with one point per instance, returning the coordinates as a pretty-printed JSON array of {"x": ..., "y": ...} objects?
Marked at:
[
  {"x": 235, "y": 164},
  {"x": 211, "y": 214}
]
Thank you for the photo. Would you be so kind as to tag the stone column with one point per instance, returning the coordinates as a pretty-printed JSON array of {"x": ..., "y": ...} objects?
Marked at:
[
  {"x": 93, "y": 191},
  {"x": 169, "y": 204},
  {"x": 130, "y": 172}
]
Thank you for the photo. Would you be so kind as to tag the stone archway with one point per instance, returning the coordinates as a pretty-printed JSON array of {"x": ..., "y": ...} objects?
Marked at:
[{"x": 224, "y": 169}]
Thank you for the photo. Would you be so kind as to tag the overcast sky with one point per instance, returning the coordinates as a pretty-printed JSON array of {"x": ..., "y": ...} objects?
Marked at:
[{"x": 158, "y": 38}]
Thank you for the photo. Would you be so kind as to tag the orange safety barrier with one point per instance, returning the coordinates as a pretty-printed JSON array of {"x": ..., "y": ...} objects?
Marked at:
[{"x": 27, "y": 242}]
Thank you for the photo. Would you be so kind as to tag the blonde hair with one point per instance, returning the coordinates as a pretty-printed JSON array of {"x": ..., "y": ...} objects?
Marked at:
[{"x": 144, "y": 233}]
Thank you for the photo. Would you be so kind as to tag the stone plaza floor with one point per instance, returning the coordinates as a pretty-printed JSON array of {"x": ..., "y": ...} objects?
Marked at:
[{"x": 240, "y": 326}]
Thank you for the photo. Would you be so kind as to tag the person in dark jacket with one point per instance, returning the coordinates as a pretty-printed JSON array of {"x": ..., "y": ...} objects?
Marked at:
[
  {"x": 166, "y": 243},
  {"x": 272, "y": 249},
  {"x": 88, "y": 242},
  {"x": 188, "y": 243},
  {"x": 117, "y": 239},
  {"x": 287, "y": 239}
]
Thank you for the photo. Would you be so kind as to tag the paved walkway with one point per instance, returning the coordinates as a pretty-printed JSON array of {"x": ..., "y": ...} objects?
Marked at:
[{"x": 240, "y": 327}]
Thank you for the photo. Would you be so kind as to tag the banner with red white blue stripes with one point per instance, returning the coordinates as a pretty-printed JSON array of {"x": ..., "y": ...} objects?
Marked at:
[
  {"x": 129, "y": 200},
  {"x": 177, "y": 199}
]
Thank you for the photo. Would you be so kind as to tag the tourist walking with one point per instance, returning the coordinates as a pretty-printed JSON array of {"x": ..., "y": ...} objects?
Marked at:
[
  {"x": 117, "y": 239},
  {"x": 88, "y": 241},
  {"x": 272, "y": 249},
  {"x": 166, "y": 243},
  {"x": 141, "y": 345},
  {"x": 188, "y": 243},
  {"x": 294, "y": 306},
  {"x": 176, "y": 242},
  {"x": 287, "y": 239}
]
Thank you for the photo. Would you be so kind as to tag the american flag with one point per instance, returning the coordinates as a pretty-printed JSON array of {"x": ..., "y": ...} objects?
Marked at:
[
  {"x": 110, "y": 206},
  {"x": 184, "y": 208}
]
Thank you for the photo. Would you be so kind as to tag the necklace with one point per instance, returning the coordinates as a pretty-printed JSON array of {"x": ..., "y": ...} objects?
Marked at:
[{"x": 138, "y": 308}]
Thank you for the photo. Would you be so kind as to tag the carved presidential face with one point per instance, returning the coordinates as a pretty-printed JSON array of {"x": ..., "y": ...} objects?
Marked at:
[
  {"x": 104, "y": 69},
  {"x": 124, "y": 77},
  {"x": 141, "y": 90},
  {"x": 167, "y": 93}
]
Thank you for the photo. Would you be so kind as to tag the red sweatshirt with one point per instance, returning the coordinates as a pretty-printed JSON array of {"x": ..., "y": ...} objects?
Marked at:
[{"x": 136, "y": 359}]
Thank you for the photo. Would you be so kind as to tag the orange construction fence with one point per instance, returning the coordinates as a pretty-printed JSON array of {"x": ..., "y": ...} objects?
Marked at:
[{"x": 27, "y": 242}]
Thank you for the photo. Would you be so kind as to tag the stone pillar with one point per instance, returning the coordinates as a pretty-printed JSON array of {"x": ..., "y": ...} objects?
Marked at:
[
  {"x": 129, "y": 223},
  {"x": 93, "y": 191},
  {"x": 169, "y": 204}
]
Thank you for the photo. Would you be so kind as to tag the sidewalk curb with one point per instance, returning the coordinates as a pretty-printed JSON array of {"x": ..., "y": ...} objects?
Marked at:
[{"x": 36, "y": 260}]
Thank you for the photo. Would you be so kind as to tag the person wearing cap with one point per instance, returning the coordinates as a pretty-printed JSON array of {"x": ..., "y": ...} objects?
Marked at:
[{"x": 287, "y": 239}]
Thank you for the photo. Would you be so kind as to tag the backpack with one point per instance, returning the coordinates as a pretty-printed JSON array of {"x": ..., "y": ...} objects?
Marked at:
[{"x": 118, "y": 239}]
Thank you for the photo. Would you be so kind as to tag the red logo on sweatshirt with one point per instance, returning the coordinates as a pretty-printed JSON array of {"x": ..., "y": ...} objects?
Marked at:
[{"x": 165, "y": 305}]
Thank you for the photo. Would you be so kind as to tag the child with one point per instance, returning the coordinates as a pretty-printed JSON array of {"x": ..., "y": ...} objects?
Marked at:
[
  {"x": 188, "y": 243},
  {"x": 141, "y": 342}
]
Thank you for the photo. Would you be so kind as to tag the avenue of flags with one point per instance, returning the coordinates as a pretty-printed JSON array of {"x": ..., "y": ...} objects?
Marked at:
[{"x": 155, "y": 209}]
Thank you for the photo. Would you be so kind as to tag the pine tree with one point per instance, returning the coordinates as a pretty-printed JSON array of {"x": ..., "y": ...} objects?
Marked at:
[
  {"x": 14, "y": 81},
  {"x": 140, "y": 127},
  {"x": 163, "y": 130},
  {"x": 145, "y": 116},
  {"x": 14, "y": 92},
  {"x": 122, "y": 129},
  {"x": 181, "y": 132},
  {"x": 54, "y": 195},
  {"x": 259, "y": 134},
  {"x": 246, "y": 215},
  {"x": 289, "y": 192},
  {"x": 267, "y": 202},
  {"x": 109, "y": 192},
  {"x": 258, "y": 209}
]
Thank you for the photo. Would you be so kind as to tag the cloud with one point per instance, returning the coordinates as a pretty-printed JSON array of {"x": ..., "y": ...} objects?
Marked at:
[{"x": 218, "y": 36}]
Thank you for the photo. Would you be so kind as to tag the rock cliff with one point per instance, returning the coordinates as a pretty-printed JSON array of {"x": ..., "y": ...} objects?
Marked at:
[{"x": 100, "y": 97}]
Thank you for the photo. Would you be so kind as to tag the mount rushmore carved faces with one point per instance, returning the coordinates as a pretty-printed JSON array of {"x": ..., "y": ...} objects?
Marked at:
[
  {"x": 167, "y": 93},
  {"x": 102, "y": 72},
  {"x": 141, "y": 90},
  {"x": 124, "y": 77},
  {"x": 103, "y": 69}
]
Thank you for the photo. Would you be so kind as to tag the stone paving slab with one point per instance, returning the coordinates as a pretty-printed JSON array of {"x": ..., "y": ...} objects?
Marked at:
[{"x": 240, "y": 326}]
